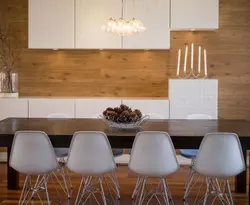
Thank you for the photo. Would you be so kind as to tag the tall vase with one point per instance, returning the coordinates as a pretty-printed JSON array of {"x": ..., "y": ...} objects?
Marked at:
[{"x": 8, "y": 82}]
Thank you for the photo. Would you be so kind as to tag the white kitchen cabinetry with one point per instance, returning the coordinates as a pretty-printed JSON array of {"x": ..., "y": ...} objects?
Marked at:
[
  {"x": 44, "y": 107},
  {"x": 13, "y": 108},
  {"x": 193, "y": 97},
  {"x": 51, "y": 24},
  {"x": 92, "y": 108},
  {"x": 156, "y": 108},
  {"x": 194, "y": 14},
  {"x": 91, "y": 15},
  {"x": 76, "y": 24},
  {"x": 155, "y": 17}
]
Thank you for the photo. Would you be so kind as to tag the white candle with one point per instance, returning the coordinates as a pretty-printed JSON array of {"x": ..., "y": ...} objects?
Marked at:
[
  {"x": 205, "y": 62},
  {"x": 192, "y": 57},
  {"x": 199, "y": 60},
  {"x": 178, "y": 64},
  {"x": 185, "y": 60}
]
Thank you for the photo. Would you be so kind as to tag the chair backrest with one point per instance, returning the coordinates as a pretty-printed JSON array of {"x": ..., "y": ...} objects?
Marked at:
[
  {"x": 220, "y": 156},
  {"x": 198, "y": 117},
  {"x": 32, "y": 153},
  {"x": 58, "y": 115},
  {"x": 90, "y": 154},
  {"x": 153, "y": 154}
]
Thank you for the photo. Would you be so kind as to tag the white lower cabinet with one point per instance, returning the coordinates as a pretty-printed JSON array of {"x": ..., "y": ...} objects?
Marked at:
[
  {"x": 92, "y": 108},
  {"x": 198, "y": 96},
  {"x": 44, "y": 107},
  {"x": 13, "y": 108},
  {"x": 157, "y": 109}
]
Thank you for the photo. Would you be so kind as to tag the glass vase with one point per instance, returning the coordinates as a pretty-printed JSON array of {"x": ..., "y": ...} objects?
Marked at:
[{"x": 8, "y": 82}]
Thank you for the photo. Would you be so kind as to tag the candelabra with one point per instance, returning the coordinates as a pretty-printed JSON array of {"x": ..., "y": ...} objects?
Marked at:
[{"x": 192, "y": 73}]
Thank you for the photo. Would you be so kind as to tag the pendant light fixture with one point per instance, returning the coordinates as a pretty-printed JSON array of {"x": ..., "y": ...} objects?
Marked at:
[{"x": 122, "y": 27}]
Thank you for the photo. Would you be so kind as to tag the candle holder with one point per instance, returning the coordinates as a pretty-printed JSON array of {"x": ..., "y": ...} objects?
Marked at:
[{"x": 192, "y": 74}]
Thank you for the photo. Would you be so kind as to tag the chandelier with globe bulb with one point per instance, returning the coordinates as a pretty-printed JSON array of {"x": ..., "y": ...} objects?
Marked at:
[{"x": 123, "y": 27}]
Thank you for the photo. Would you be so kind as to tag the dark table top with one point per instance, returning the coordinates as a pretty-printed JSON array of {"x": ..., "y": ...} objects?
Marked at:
[{"x": 60, "y": 131}]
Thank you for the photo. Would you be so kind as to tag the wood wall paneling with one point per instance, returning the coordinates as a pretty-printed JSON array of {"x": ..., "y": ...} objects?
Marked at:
[{"x": 138, "y": 73}]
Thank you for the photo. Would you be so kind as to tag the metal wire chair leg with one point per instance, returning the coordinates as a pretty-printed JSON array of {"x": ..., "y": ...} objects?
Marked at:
[
  {"x": 114, "y": 179},
  {"x": 65, "y": 182},
  {"x": 85, "y": 188},
  {"x": 24, "y": 194},
  {"x": 46, "y": 190},
  {"x": 102, "y": 192},
  {"x": 67, "y": 174},
  {"x": 113, "y": 174},
  {"x": 142, "y": 191},
  {"x": 138, "y": 182},
  {"x": 207, "y": 191},
  {"x": 230, "y": 193},
  {"x": 190, "y": 174},
  {"x": 165, "y": 191},
  {"x": 79, "y": 191}
]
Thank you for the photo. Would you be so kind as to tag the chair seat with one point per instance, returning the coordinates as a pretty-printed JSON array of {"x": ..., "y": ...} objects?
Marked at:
[
  {"x": 117, "y": 152},
  {"x": 189, "y": 153},
  {"x": 61, "y": 152}
]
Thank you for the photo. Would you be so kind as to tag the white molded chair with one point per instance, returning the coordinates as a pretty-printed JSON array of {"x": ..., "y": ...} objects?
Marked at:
[
  {"x": 191, "y": 154},
  {"x": 96, "y": 161},
  {"x": 153, "y": 155},
  {"x": 220, "y": 157},
  {"x": 61, "y": 153},
  {"x": 32, "y": 154}
]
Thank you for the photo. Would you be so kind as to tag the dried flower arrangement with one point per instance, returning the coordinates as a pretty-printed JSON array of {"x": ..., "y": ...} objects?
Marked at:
[{"x": 8, "y": 79}]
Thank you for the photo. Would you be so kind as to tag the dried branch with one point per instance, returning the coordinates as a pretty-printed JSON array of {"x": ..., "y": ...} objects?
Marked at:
[{"x": 6, "y": 53}]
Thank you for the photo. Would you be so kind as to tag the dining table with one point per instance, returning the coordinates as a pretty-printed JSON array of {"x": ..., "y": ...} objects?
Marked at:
[{"x": 185, "y": 134}]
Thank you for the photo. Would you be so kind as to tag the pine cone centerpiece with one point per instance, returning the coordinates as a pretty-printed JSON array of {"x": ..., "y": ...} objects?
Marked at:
[{"x": 122, "y": 114}]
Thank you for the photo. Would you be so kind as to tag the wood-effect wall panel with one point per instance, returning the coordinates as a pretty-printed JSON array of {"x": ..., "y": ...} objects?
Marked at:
[{"x": 138, "y": 73}]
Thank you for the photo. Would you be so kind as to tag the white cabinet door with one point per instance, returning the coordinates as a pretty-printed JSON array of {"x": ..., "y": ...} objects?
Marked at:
[
  {"x": 91, "y": 15},
  {"x": 44, "y": 107},
  {"x": 13, "y": 108},
  {"x": 193, "y": 97},
  {"x": 194, "y": 14},
  {"x": 51, "y": 24},
  {"x": 158, "y": 109},
  {"x": 155, "y": 17},
  {"x": 92, "y": 108}
]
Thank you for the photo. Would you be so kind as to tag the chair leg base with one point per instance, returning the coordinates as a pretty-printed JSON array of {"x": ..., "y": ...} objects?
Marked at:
[
  {"x": 29, "y": 191},
  {"x": 90, "y": 186},
  {"x": 144, "y": 191},
  {"x": 218, "y": 190}
]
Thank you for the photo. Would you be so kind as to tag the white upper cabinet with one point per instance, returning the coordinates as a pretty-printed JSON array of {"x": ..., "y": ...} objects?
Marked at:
[
  {"x": 51, "y": 24},
  {"x": 155, "y": 17},
  {"x": 194, "y": 14},
  {"x": 91, "y": 15}
]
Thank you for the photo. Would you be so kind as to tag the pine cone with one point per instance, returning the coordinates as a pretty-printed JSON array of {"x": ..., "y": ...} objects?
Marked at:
[
  {"x": 105, "y": 112},
  {"x": 124, "y": 107},
  {"x": 129, "y": 109},
  {"x": 133, "y": 114},
  {"x": 111, "y": 115},
  {"x": 118, "y": 110},
  {"x": 138, "y": 112},
  {"x": 135, "y": 119},
  {"x": 125, "y": 114},
  {"x": 109, "y": 109}
]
